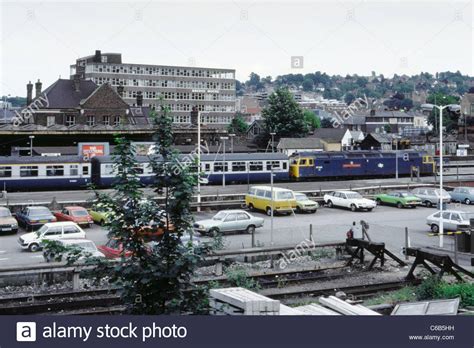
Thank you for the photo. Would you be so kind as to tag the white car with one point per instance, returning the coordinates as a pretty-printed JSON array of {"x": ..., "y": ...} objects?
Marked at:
[
  {"x": 50, "y": 231},
  {"x": 87, "y": 247},
  {"x": 349, "y": 199},
  {"x": 453, "y": 220}
]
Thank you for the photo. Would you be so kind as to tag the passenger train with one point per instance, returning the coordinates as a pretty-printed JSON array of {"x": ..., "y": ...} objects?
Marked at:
[{"x": 69, "y": 172}]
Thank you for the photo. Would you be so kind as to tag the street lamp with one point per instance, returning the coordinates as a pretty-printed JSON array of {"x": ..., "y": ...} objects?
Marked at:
[
  {"x": 273, "y": 135},
  {"x": 199, "y": 162},
  {"x": 5, "y": 100},
  {"x": 232, "y": 135},
  {"x": 396, "y": 156},
  {"x": 31, "y": 144},
  {"x": 223, "y": 161},
  {"x": 441, "y": 222}
]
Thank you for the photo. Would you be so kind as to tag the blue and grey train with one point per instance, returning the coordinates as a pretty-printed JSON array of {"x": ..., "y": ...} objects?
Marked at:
[{"x": 70, "y": 172}]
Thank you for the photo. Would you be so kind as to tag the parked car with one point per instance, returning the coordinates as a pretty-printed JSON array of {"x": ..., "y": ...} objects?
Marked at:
[
  {"x": 304, "y": 204},
  {"x": 453, "y": 220},
  {"x": 463, "y": 195},
  {"x": 7, "y": 222},
  {"x": 229, "y": 221},
  {"x": 33, "y": 217},
  {"x": 99, "y": 215},
  {"x": 50, "y": 231},
  {"x": 79, "y": 215},
  {"x": 260, "y": 197},
  {"x": 399, "y": 199},
  {"x": 349, "y": 199},
  {"x": 85, "y": 245},
  {"x": 430, "y": 196}
]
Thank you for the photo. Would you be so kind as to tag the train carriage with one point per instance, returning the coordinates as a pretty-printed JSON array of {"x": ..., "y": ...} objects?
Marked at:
[{"x": 30, "y": 173}]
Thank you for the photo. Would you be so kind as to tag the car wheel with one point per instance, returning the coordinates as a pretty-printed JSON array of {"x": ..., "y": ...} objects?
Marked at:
[
  {"x": 34, "y": 247},
  {"x": 298, "y": 210},
  {"x": 399, "y": 205},
  {"x": 330, "y": 205},
  {"x": 378, "y": 201},
  {"x": 314, "y": 211},
  {"x": 353, "y": 207},
  {"x": 251, "y": 207},
  {"x": 268, "y": 211},
  {"x": 467, "y": 201},
  {"x": 369, "y": 209},
  {"x": 435, "y": 228},
  {"x": 251, "y": 229},
  {"x": 213, "y": 232},
  {"x": 429, "y": 204}
]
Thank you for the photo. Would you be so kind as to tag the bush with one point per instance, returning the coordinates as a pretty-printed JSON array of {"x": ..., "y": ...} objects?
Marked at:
[
  {"x": 433, "y": 288},
  {"x": 427, "y": 290}
]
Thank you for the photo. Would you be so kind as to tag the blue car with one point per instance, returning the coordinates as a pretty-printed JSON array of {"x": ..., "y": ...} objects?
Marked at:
[
  {"x": 33, "y": 217},
  {"x": 463, "y": 195}
]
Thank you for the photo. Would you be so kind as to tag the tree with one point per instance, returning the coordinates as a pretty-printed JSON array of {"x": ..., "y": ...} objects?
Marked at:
[
  {"x": 254, "y": 81},
  {"x": 326, "y": 123},
  {"x": 450, "y": 117},
  {"x": 238, "y": 125},
  {"x": 312, "y": 121},
  {"x": 284, "y": 116},
  {"x": 308, "y": 85},
  {"x": 349, "y": 98}
]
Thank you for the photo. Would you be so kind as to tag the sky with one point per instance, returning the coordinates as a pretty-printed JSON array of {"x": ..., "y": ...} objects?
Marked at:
[{"x": 41, "y": 39}]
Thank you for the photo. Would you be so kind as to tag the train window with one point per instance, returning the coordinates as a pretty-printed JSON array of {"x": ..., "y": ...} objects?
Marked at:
[
  {"x": 311, "y": 162},
  {"x": 5, "y": 172},
  {"x": 28, "y": 171},
  {"x": 54, "y": 170},
  {"x": 303, "y": 162},
  {"x": 274, "y": 164},
  {"x": 207, "y": 167},
  {"x": 108, "y": 169},
  {"x": 73, "y": 170},
  {"x": 255, "y": 166},
  {"x": 285, "y": 165},
  {"x": 139, "y": 169},
  {"x": 238, "y": 166},
  {"x": 218, "y": 166},
  {"x": 85, "y": 170}
]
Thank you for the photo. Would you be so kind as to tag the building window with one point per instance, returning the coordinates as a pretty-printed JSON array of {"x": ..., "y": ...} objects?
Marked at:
[
  {"x": 50, "y": 121},
  {"x": 70, "y": 120},
  {"x": 116, "y": 120},
  {"x": 28, "y": 171},
  {"x": 90, "y": 121},
  {"x": 107, "y": 120}
]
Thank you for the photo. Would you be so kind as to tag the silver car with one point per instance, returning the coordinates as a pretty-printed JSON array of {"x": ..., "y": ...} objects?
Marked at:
[
  {"x": 229, "y": 221},
  {"x": 430, "y": 196},
  {"x": 453, "y": 220}
]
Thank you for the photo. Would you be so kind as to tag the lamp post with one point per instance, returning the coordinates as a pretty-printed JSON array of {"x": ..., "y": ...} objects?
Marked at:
[
  {"x": 232, "y": 135},
  {"x": 223, "y": 161},
  {"x": 31, "y": 144},
  {"x": 396, "y": 156},
  {"x": 273, "y": 135},
  {"x": 199, "y": 162},
  {"x": 441, "y": 222},
  {"x": 5, "y": 100},
  {"x": 271, "y": 216}
]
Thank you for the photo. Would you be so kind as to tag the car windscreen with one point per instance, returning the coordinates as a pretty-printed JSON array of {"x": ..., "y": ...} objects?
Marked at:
[
  {"x": 79, "y": 213},
  {"x": 43, "y": 228},
  {"x": 87, "y": 246},
  {"x": 354, "y": 195},
  {"x": 40, "y": 211},
  {"x": 464, "y": 216},
  {"x": 301, "y": 197},
  {"x": 284, "y": 195},
  {"x": 4, "y": 213},
  {"x": 219, "y": 216}
]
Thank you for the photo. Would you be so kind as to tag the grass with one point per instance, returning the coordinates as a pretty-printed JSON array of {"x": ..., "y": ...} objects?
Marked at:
[{"x": 406, "y": 294}]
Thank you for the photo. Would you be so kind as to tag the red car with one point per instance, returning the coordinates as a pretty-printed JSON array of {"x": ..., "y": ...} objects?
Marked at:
[{"x": 79, "y": 215}]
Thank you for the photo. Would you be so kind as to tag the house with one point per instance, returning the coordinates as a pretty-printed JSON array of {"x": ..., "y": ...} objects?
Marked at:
[
  {"x": 379, "y": 120},
  {"x": 331, "y": 138},
  {"x": 288, "y": 146},
  {"x": 430, "y": 145},
  {"x": 351, "y": 139},
  {"x": 249, "y": 107},
  {"x": 355, "y": 123},
  {"x": 256, "y": 128},
  {"x": 378, "y": 141}
]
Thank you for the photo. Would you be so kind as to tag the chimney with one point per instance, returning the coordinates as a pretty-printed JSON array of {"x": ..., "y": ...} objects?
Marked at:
[
  {"x": 120, "y": 90},
  {"x": 194, "y": 115},
  {"x": 139, "y": 98},
  {"x": 29, "y": 93},
  {"x": 97, "y": 56},
  {"x": 77, "y": 83},
  {"x": 38, "y": 86}
]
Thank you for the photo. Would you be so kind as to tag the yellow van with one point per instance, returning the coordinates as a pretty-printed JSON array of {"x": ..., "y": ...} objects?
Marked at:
[{"x": 260, "y": 197}]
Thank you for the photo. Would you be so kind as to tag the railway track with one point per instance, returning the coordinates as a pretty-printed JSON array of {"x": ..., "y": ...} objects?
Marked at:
[{"x": 277, "y": 285}]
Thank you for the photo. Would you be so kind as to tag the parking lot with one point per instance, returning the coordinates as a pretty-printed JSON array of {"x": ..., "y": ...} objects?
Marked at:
[{"x": 387, "y": 224}]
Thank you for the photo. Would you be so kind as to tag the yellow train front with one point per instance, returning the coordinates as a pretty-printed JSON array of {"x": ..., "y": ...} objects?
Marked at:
[{"x": 349, "y": 164}]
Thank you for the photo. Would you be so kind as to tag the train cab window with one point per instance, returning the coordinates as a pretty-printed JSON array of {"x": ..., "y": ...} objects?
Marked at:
[
  {"x": 285, "y": 165},
  {"x": 73, "y": 170},
  {"x": 54, "y": 170},
  {"x": 255, "y": 166},
  {"x": 294, "y": 161},
  {"x": 108, "y": 169},
  {"x": 303, "y": 162},
  {"x": 85, "y": 170},
  {"x": 311, "y": 162},
  {"x": 5, "y": 172},
  {"x": 238, "y": 166},
  {"x": 28, "y": 171}
]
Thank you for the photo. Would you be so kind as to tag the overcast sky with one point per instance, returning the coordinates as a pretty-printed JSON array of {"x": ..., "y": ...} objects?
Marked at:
[{"x": 40, "y": 40}]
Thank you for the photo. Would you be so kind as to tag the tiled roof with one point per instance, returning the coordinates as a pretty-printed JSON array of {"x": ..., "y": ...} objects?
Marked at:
[
  {"x": 62, "y": 94},
  {"x": 300, "y": 143}
]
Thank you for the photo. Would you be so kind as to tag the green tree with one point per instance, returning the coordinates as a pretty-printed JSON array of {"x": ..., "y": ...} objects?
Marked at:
[
  {"x": 308, "y": 84},
  {"x": 326, "y": 123},
  {"x": 450, "y": 118},
  {"x": 312, "y": 121},
  {"x": 238, "y": 125},
  {"x": 284, "y": 116}
]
